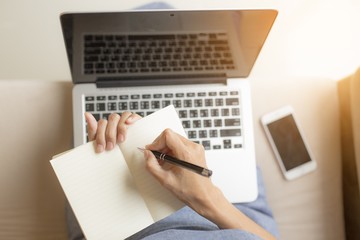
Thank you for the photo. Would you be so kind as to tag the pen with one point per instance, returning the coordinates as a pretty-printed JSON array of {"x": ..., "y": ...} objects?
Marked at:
[{"x": 192, "y": 167}]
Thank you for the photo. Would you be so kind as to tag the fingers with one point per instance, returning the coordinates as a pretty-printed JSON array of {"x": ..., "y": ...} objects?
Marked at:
[
  {"x": 132, "y": 118},
  {"x": 91, "y": 126},
  {"x": 100, "y": 136},
  {"x": 110, "y": 133},
  {"x": 168, "y": 141},
  {"x": 107, "y": 133},
  {"x": 121, "y": 128},
  {"x": 178, "y": 146},
  {"x": 154, "y": 167}
]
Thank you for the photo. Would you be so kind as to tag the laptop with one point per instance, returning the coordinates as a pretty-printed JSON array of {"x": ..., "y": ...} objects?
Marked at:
[{"x": 142, "y": 61}]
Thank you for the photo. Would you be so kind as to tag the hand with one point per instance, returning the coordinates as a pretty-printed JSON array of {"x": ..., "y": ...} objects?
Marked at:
[
  {"x": 196, "y": 191},
  {"x": 109, "y": 132},
  {"x": 193, "y": 189}
]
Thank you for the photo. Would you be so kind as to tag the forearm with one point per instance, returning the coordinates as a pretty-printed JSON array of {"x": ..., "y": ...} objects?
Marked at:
[{"x": 226, "y": 216}]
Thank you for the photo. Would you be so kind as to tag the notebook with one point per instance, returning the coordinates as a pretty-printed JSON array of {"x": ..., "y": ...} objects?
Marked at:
[
  {"x": 198, "y": 61},
  {"x": 112, "y": 194}
]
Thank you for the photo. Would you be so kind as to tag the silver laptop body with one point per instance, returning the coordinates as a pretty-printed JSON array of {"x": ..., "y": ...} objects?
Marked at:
[{"x": 141, "y": 61}]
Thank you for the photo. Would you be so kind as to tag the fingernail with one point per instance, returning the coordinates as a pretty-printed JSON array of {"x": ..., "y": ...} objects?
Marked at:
[
  {"x": 109, "y": 145},
  {"x": 129, "y": 119},
  {"x": 99, "y": 148}
]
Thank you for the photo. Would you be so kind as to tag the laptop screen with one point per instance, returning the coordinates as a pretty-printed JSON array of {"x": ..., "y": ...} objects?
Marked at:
[{"x": 148, "y": 45}]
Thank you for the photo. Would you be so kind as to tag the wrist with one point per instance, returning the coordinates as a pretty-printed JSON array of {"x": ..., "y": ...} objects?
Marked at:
[
  {"x": 211, "y": 206},
  {"x": 220, "y": 211}
]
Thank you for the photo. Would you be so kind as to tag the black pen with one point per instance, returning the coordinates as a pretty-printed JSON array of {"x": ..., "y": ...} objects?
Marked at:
[{"x": 192, "y": 167}]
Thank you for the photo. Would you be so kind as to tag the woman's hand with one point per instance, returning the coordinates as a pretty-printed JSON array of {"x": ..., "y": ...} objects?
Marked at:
[
  {"x": 193, "y": 189},
  {"x": 196, "y": 191},
  {"x": 109, "y": 132}
]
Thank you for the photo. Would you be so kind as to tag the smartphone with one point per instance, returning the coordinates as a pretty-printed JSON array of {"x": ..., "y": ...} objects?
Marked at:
[{"x": 288, "y": 143}]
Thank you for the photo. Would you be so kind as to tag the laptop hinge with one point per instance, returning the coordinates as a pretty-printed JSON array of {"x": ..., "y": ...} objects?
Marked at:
[{"x": 109, "y": 82}]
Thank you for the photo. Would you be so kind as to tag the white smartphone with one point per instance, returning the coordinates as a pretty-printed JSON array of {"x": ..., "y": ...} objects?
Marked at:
[{"x": 288, "y": 143}]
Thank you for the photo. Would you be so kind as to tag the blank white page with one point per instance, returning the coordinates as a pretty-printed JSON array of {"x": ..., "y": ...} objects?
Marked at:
[{"x": 101, "y": 192}]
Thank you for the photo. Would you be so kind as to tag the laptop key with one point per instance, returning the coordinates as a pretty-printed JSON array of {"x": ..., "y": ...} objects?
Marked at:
[
  {"x": 204, "y": 113},
  {"x": 112, "y": 106},
  {"x": 227, "y": 143},
  {"x": 203, "y": 134},
  {"x": 142, "y": 114},
  {"x": 166, "y": 103},
  {"x": 144, "y": 105},
  {"x": 206, "y": 144},
  {"x": 106, "y": 116},
  {"x": 219, "y": 102},
  {"x": 230, "y": 132},
  {"x": 192, "y": 134},
  {"x": 123, "y": 106},
  {"x": 225, "y": 112},
  {"x": 89, "y": 107},
  {"x": 193, "y": 113},
  {"x": 196, "y": 123},
  {"x": 134, "y": 105},
  {"x": 100, "y": 107},
  {"x": 216, "y": 147},
  {"x": 187, "y": 103},
  {"x": 198, "y": 102},
  {"x": 177, "y": 103},
  {"x": 186, "y": 124},
  {"x": 207, "y": 123},
  {"x": 155, "y": 104},
  {"x": 208, "y": 102},
  {"x": 183, "y": 114},
  {"x": 232, "y": 101},
  {"x": 218, "y": 122},
  {"x": 96, "y": 116},
  {"x": 232, "y": 122},
  {"x": 89, "y": 98},
  {"x": 213, "y": 133},
  {"x": 235, "y": 111},
  {"x": 214, "y": 112}
]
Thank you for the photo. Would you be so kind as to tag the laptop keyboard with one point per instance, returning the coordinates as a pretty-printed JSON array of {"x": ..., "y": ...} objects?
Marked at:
[
  {"x": 211, "y": 118},
  {"x": 122, "y": 54}
]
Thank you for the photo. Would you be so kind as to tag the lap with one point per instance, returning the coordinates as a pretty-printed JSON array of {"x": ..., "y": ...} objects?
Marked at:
[{"x": 187, "y": 224}]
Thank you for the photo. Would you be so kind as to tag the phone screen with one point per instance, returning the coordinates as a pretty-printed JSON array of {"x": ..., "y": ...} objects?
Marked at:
[{"x": 288, "y": 141}]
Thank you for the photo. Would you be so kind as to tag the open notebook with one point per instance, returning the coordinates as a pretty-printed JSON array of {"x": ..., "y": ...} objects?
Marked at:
[{"x": 112, "y": 194}]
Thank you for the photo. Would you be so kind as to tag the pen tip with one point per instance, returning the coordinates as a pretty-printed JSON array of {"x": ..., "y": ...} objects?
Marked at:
[{"x": 141, "y": 149}]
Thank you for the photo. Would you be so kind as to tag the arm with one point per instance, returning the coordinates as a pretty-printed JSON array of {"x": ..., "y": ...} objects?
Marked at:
[{"x": 196, "y": 191}]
